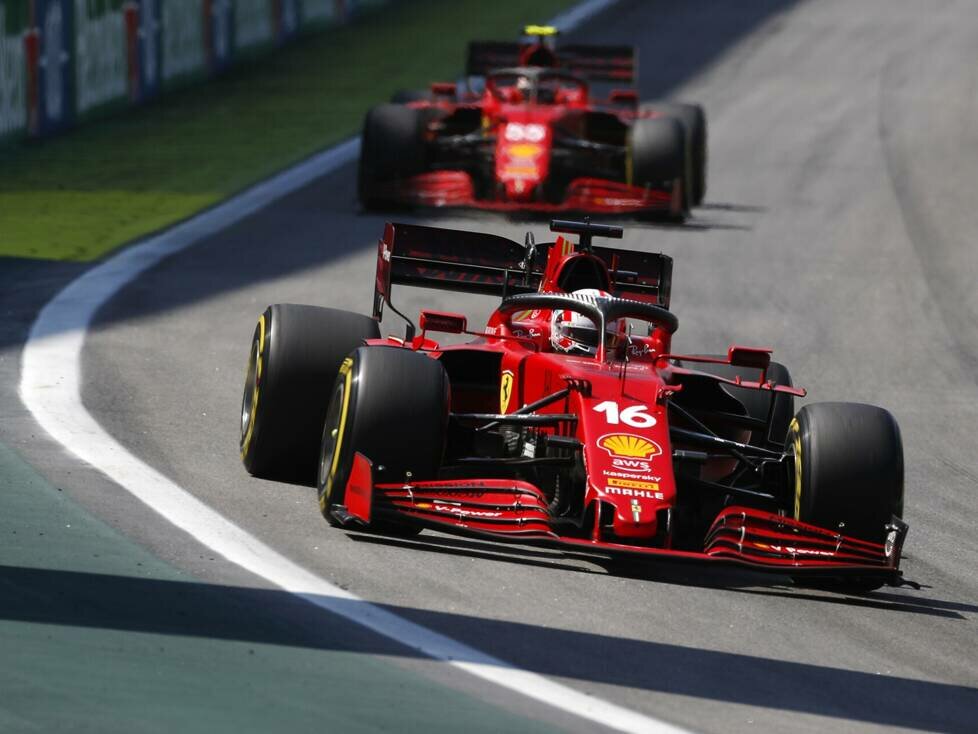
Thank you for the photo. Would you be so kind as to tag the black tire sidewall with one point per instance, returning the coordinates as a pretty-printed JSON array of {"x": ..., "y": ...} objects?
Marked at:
[
  {"x": 302, "y": 349},
  {"x": 396, "y": 415},
  {"x": 693, "y": 119},
  {"x": 391, "y": 148},
  {"x": 851, "y": 468},
  {"x": 657, "y": 148}
]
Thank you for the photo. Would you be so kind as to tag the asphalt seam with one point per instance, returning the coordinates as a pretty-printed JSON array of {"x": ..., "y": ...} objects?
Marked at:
[{"x": 50, "y": 388}]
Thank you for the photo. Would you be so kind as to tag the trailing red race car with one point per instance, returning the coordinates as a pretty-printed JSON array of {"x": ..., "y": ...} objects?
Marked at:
[
  {"x": 567, "y": 421},
  {"x": 531, "y": 134}
]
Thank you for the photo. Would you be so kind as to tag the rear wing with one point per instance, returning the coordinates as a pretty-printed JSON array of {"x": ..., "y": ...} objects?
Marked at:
[
  {"x": 476, "y": 262},
  {"x": 601, "y": 63}
]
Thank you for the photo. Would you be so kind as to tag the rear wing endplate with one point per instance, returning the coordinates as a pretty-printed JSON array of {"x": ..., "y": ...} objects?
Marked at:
[{"x": 476, "y": 262}]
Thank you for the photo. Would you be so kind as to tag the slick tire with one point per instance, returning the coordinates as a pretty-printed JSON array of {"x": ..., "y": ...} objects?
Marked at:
[
  {"x": 848, "y": 468},
  {"x": 693, "y": 120},
  {"x": 295, "y": 355},
  {"x": 392, "y": 148},
  {"x": 657, "y": 154},
  {"x": 391, "y": 405},
  {"x": 757, "y": 403}
]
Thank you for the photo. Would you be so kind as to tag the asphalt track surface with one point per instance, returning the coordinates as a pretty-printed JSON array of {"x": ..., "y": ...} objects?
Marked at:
[{"x": 838, "y": 228}]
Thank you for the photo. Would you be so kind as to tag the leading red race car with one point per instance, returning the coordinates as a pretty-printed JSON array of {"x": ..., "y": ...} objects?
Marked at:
[
  {"x": 532, "y": 134},
  {"x": 567, "y": 421}
]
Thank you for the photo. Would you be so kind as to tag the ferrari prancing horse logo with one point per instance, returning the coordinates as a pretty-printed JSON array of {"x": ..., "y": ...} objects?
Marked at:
[{"x": 505, "y": 390}]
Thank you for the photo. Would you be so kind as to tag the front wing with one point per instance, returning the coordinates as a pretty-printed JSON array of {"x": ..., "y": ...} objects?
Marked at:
[
  {"x": 516, "y": 511},
  {"x": 597, "y": 195}
]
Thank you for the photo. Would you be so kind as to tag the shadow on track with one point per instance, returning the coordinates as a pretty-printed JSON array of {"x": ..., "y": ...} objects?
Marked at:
[
  {"x": 43, "y": 596},
  {"x": 730, "y": 578}
]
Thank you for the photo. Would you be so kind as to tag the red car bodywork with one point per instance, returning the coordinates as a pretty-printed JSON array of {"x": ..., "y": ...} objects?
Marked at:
[
  {"x": 613, "y": 407},
  {"x": 521, "y": 167}
]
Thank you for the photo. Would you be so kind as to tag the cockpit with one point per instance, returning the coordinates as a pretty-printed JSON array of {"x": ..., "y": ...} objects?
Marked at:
[{"x": 529, "y": 85}]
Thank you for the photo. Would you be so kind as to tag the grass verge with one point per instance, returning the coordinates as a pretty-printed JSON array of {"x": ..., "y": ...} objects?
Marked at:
[{"x": 81, "y": 195}]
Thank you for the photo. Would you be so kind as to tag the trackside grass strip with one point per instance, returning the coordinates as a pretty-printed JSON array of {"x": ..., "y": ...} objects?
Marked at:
[{"x": 81, "y": 195}]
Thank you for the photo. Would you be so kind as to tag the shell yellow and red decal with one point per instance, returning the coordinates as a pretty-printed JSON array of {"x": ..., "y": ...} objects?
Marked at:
[{"x": 629, "y": 446}]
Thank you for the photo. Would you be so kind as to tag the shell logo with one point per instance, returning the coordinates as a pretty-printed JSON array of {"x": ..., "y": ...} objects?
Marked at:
[
  {"x": 627, "y": 446},
  {"x": 525, "y": 150}
]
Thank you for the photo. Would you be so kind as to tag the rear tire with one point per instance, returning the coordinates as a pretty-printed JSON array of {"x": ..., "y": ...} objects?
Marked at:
[
  {"x": 657, "y": 152},
  {"x": 391, "y": 405},
  {"x": 757, "y": 403},
  {"x": 693, "y": 120},
  {"x": 295, "y": 354},
  {"x": 392, "y": 148}
]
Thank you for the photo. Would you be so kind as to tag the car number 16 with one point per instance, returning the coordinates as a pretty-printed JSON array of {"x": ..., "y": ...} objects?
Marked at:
[{"x": 634, "y": 415}]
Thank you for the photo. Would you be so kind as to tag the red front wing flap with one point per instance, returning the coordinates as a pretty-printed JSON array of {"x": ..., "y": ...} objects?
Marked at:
[
  {"x": 758, "y": 537},
  {"x": 507, "y": 509},
  {"x": 455, "y": 189},
  {"x": 498, "y": 506}
]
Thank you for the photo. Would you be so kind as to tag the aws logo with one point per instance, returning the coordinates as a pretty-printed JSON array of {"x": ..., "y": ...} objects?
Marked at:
[{"x": 629, "y": 452}]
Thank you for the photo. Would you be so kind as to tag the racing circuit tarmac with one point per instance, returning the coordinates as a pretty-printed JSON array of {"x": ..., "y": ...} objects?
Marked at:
[{"x": 839, "y": 228}]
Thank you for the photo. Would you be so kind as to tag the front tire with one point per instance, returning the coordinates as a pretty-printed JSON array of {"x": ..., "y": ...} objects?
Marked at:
[
  {"x": 848, "y": 468},
  {"x": 392, "y": 148},
  {"x": 391, "y": 405},
  {"x": 295, "y": 354}
]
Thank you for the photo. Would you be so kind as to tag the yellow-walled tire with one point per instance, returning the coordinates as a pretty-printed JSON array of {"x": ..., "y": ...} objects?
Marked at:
[
  {"x": 295, "y": 354},
  {"x": 391, "y": 405},
  {"x": 848, "y": 474}
]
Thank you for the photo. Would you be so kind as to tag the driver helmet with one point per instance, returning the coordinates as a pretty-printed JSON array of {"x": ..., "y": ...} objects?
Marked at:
[{"x": 574, "y": 333}]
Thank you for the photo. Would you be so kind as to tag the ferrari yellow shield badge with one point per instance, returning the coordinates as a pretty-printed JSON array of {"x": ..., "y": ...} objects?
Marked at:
[{"x": 505, "y": 391}]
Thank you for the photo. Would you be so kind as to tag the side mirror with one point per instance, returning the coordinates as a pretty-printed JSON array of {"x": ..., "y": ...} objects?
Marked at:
[
  {"x": 444, "y": 89},
  {"x": 446, "y": 323},
  {"x": 755, "y": 357},
  {"x": 623, "y": 96}
]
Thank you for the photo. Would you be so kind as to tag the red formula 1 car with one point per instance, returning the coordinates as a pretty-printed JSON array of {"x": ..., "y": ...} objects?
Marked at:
[
  {"x": 532, "y": 135},
  {"x": 567, "y": 421}
]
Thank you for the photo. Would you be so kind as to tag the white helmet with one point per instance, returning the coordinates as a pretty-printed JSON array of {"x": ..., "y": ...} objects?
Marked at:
[{"x": 575, "y": 333}]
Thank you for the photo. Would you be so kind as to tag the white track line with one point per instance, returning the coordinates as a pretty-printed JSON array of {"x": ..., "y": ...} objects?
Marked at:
[{"x": 50, "y": 387}]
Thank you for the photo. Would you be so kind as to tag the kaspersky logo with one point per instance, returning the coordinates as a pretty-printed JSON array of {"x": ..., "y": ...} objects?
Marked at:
[{"x": 629, "y": 452}]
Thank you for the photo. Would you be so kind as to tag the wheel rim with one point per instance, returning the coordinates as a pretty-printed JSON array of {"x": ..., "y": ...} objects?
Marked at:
[
  {"x": 249, "y": 400},
  {"x": 331, "y": 429}
]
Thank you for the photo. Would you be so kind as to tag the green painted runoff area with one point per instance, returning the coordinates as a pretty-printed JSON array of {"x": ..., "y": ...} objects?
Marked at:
[
  {"x": 100, "y": 636},
  {"x": 78, "y": 196}
]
